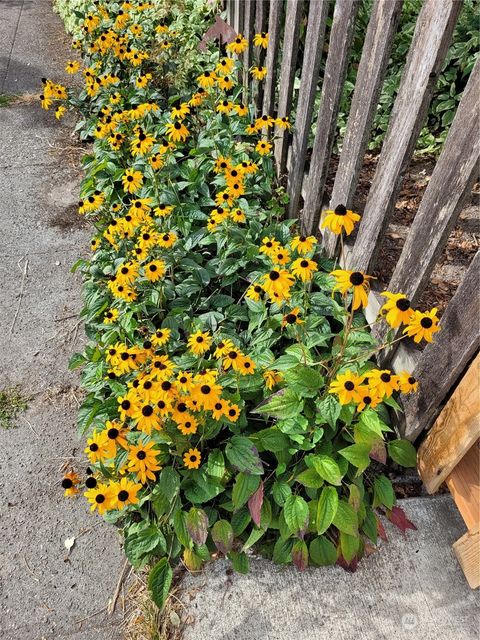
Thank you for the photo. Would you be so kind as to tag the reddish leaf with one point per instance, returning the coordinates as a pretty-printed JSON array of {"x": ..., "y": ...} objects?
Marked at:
[
  {"x": 300, "y": 555},
  {"x": 255, "y": 504},
  {"x": 381, "y": 531},
  {"x": 379, "y": 452},
  {"x": 197, "y": 525},
  {"x": 351, "y": 567},
  {"x": 399, "y": 519},
  {"x": 220, "y": 31}
]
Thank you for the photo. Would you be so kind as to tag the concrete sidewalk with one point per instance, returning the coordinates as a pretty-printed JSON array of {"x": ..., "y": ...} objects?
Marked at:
[
  {"x": 44, "y": 591},
  {"x": 410, "y": 589}
]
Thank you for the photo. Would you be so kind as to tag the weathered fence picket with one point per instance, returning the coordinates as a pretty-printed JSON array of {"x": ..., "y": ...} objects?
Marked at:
[{"x": 441, "y": 364}]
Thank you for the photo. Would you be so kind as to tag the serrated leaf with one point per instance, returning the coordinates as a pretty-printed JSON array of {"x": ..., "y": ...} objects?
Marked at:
[
  {"x": 180, "y": 528},
  {"x": 216, "y": 464},
  {"x": 357, "y": 455},
  {"x": 255, "y": 503},
  {"x": 328, "y": 410},
  {"x": 245, "y": 485},
  {"x": 346, "y": 519},
  {"x": 383, "y": 493},
  {"x": 349, "y": 546},
  {"x": 280, "y": 492},
  {"x": 243, "y": 455},
  {"x": 295, "y": 511},
  {"x": 300, "y": 555},
  {"x": 239, "y": 561},
  {"x": 403, "y": 452},
  {"x": 284, "y": 404},
  {"x": 222, "y": 536},
  {"x": 159, "y": 582},
  {"x": 326, "y": 509},
  {"x": 310, "y": 479},
  {"x": 327, "y": 468},
  {"x": 197, "y": 525},
  {"x": 322, "y": 552}
]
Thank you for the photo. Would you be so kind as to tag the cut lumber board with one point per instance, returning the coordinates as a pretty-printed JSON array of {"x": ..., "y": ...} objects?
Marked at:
[
  {"x": 456, "y": 429},
  {"x": 467, "y": 550},
  {"x": 464, "y": 486}
]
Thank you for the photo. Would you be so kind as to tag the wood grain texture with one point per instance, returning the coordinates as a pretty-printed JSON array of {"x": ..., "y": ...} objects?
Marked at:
[
  {"x": 455, "y": 431},
  {"x": 274, "y": 21},
  {"x": 238, "y": 11},
  {"x": 464, "y": 486},
  {"x": 432, "y": 37},
  {"x": 312, "y": 55},
  {"x": 467, "y": 550},
  {"x": 444, "y": 360},
  {"x": 248, "y": 31},
  {"x": 341, "y": 37},
  {"x": 261, "y": 24},
  {"x": 293, "y": 16},
  {"x": 371, "y": 71}
]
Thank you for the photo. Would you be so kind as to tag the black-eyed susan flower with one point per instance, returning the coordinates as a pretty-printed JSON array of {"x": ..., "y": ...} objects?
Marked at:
[
  {"x": 163, "y": 210},
  {"x": 238, "y": 45},
  {"x": 222, "y": 164},
  {"x": 355, "y": 281},
  {"x": 199, "y": 342},
  {"x": 179, "y": 111},
  {"x": 160, "y": 337},
  {"x": 225, "y": 66},
  {"x": 261, "y": 39},
  {"x": 225, "y": 82},
  {"x": 177, "y": 131},
  {"x": 98, "y": 448},
  {"x": 100, "y": 497},
  {"x": 146, "y": 419},
  {"x": 277, "y": 283},
  {"x": 184, "y": 381},
  {"x": 304, "y": 268},
  {"x": 238, "y": 216},
  {"x": 407, "y": 383},
  {"x": 60, "y": 111},
  {"x": 206, "y": 80},
  {"x": 258, "y": 73},
  {"x": 270, "y": 246},
  {"x": 272, "y": 378},
  {"x": 283, "y": 123},
  {"x": 382, "y": 381},
  {"x": 110, "y": 316},
  {"x": 368, "y": 398},
  {"x": 132, "y": 180},
  {"x": 422, "y": 326},
  {"x": 116, "y": 435},
  {"x": 232, "y": 412},
  {"x": 397, "y": 309},
  {"x": 282, "y": 256},
  {"x": 232, "y": 359},
  {"x": 246, "y": 366},
  {"x": 340, "y": 219},
  {"x": 124, "y": 493},
  {"x": 225, "y": 106},
  {"x": 263, "y": 147},
  {"x": 241, "y": 109},
  {"x": 154, "y": 270},
  {"x": 206, "y": 394},
  {"x": 264, "y": 122},
  {"x": 192, "y": 459},
  {"x": 303, "y": 244},
  {"x": 346, "y": 386},
  {"x": 292, "y": 317},
  {"x": 188, "y": 425},
  {"x": 142, "y": 460},
  {"x": 70, "y": 484},
  {"x": 167, "y": 239}
]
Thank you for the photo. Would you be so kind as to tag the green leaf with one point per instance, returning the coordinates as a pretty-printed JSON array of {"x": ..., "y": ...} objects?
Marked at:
[
  {"x": 303, "y": 378},
  {"x": 310, "y": 479},
  {"x": 327, "y": 468},
  {"x": 159, "y": 582},
  {"x": 328, "y": 411},
  {"x": 197, "y": 525},
  {"x": 326, "y": 509},
  {"x": 369, "y": 526},
  {"x": 403, "y": 452},
  {"x": 300, "y": 555},
  {"x": 240, "y": 521},
  {"x": 168, "y": 483},
  {"x": 142, "y": 542},
  {"x": 242, "y": 454},
  {"x": 295, "y": 511},
  {"x": 272, "y": 439},
  {"x": 322, "y": 552},
  {"x": 349, "y": 546},
  {"x": 245, "y": 485},
  {"x": 280, "y": 492},
  {"x": 383, "y": 493},
  {"x": 346, "y": 519},
  {"x": 282, "y": 551},
  {"x": 358, "y": 455},
  {"x": 180, "y": 528},
  {"x": 239, "y": 561},
  {"x": 216, "y": 464},
  {"x": 284, "y": 404},
  {"x": 76, "y": 361},
  {"x": 222, "y": 536}
]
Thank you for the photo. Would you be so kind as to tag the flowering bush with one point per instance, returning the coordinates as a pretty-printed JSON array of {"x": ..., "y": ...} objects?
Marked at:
[{"x": 233, "y": 397}]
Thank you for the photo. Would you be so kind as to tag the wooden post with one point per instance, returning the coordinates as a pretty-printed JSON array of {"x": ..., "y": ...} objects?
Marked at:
[
  {"x": 443, "y": 361},
  {"x": 287, "y": 76},
  {"x": 341, "y": 37},
  {"x": 371, "y": 71},
  {"x": 248, "y": 29},
  {"x": 467, "y": 550},
  {"x": 238, "y": 16},
  {"x": 317, "y": 17},
  {"x": 432, "y": 36},
  {"x": 274, "y": 22},
  {"x": 261, "y": 24}
]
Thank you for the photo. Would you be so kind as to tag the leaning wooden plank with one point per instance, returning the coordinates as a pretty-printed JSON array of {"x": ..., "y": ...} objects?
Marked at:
[
  {"x": 274, "y": 22},
  {"x": 248, "y": 29},
  {"x": 467, "y": 550},
  {"x": 341, "y": 37},
  {"x": 450, "y": 183},
  {"x": 455, "y": 431},
  {"x": 312, "y": 55},
  {"x": 238, "y": 16},
  {"x": 371, "y": 70},
  {"x": 293, "y": 17},
  {"x": 443, "y": 361},
  {"x": 432, "y": 36},
  {"x": 464, "y": 486},
  {"x": 230, "y": 11}
]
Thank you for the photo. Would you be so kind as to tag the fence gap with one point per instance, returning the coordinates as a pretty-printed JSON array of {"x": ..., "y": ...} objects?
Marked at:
[
  {"x": 371, "y": 72},
  {"x": 314, "y": 39},
  {"x": 274, "y": 24},
  {"x": 433, "y": 32},
  {"x": 341, "y": 37}
]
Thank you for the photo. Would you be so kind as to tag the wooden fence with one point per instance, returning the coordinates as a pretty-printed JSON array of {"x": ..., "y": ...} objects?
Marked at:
[{"x": 441, "y": 364}]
